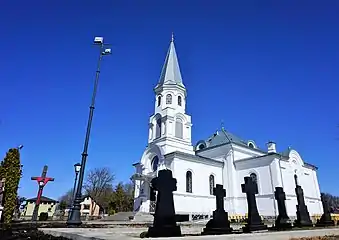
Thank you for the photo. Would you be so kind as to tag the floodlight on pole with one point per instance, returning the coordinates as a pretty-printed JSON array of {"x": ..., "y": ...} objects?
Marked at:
[
  {"x": 74, "y": 218},
  {"x": 99, "y": 40}
]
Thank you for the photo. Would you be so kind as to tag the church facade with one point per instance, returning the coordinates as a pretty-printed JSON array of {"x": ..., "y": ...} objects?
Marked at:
[{"x": 223, "y": 158}]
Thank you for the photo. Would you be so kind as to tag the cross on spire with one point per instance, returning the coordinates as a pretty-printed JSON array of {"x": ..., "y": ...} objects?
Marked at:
[
  {"x": 172, "y": 39},
  {"x": 222, "y": 125}
]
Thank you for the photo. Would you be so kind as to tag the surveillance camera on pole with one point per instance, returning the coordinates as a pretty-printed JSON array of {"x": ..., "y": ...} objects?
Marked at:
[
  {"x": 20, "y": 147},
  {"x": 98, "y": 40}
]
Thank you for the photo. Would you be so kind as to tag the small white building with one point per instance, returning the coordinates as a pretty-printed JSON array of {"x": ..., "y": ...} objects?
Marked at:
[{"x": 223, "y": 158}]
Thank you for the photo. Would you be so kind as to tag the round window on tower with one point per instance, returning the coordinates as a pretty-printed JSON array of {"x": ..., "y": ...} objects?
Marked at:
[{"x": 155, "y": 163}]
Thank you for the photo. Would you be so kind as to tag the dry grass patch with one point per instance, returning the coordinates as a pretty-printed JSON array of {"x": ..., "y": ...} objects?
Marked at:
[{"x": 332, "y": 237}]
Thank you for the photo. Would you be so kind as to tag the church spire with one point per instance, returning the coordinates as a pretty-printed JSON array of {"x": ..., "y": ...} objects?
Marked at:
[{"x": 170, "y": 73}]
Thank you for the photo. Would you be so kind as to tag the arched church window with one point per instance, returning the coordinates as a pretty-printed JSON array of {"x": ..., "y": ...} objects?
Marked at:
[
  {"x": 179, "y": 100},
  {"x": 189, "y": 181},
  {"x": 159, "y": 101},
  {"x": 158, "y": 128},
  {"x": 179, "y": 128},
  {"x": 211, "y": 184},
  {"x": 155, "y": 163},
  {"x": 296, "y": 179},
  {"x": 168, "y": 99},
  {"x": 254, "y": 178}
]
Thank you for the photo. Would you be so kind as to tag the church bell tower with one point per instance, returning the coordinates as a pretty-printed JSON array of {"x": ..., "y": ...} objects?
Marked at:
[{"x": 170, "y": 126}]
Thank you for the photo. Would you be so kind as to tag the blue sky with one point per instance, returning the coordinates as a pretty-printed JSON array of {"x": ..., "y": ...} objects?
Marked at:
[{"x": 268, "y": 69}]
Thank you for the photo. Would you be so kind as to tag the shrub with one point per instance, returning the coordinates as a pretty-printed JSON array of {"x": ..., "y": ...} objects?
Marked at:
[
  {"x": 43, "y": 216},
  {"x": 11, "y": 171}
]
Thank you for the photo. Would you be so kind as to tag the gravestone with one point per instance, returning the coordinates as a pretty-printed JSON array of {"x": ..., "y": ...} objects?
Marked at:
[
  {"x": 254, "y": 222},
  {"x": 303, "y": 217},
  {"x": 219, "y": 224},
  {"x": 325, "y": 219},
  {"x": 164, "y": 224},
  {"x": 282, "y": 221}
]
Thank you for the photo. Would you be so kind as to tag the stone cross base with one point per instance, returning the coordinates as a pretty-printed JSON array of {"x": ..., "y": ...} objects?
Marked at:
[
  {"x": 325, "y": 220},
  {"x": 303, "y": 217},
  {"x": 325, "y": 223},
  {"x": 219, "y": 224},
  {"x": 283, "y": 223},
  {"x": 254, "y": 227},
  {"x": 164, "y": 231}
]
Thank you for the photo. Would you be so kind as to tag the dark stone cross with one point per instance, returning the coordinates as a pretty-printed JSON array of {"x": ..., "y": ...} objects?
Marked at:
[
  {"x": 164, "y": 224},
  {"x": 254, "y": 222},
  {"x": 219, "y": 224},
  {"x": 42, "y": 181},
  {"x": 282, "y": 221},
  {"x": 303, "y": 217},
  {"x": 325, "y": 219}
]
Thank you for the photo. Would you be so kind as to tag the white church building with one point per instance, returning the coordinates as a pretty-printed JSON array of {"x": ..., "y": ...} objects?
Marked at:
[{"x": 223, "y": 158}]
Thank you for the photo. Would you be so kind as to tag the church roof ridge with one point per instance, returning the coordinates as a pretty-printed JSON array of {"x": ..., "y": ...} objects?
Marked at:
[{"x": 170, "y": 73}]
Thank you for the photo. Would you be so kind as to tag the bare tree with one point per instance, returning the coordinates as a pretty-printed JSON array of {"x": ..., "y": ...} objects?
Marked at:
[
  {"x": 98, "y": 185},
  {"x": 67, "y": 198}
]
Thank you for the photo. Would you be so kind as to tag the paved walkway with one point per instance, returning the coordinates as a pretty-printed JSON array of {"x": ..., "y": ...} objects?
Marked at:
[{"x": 125, "y": 233}]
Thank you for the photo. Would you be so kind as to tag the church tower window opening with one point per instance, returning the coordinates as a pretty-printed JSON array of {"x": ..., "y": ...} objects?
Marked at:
[
  {"x": 179, "y": 100},
  {"x": 254, "y": 178},
  {"x": 179, "y": 128},
  {"x": 211, "y": 180},
  {"x": 189, "y": 181},
  {"x": 159, "y": 101},
  {"x": 168, "y": 99},
  {"x": 158, "y": 128},
  {"x": 155, "y": 163}
]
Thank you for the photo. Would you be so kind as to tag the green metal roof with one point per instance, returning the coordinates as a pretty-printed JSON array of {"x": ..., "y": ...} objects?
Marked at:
[{"x": 221, "y": 137}]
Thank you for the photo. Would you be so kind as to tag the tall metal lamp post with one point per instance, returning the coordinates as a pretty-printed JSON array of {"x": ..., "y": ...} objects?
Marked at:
[
  {"x": 74, "y": 219},
  {"x": 77, "y": 168}
]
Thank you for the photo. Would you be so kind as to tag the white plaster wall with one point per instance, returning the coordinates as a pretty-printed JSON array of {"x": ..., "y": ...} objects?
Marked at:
[
  {"x": 307, "y": 181},
  {"x": 193, "y": 204},
  {"x": 265, "y": 198},
  {"x": 200, "y": 199},
  {"x": 241, "y": 155},
  {"x": 263, "y": 176}
]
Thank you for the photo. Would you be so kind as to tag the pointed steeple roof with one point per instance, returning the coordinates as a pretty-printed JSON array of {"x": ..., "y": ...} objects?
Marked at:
[{"x": 170, "y": 73}]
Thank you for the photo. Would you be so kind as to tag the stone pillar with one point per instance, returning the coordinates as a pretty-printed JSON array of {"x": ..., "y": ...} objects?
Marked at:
[
  {"x": 276, "y": 174},
  {"x": 231, "y": 181}
]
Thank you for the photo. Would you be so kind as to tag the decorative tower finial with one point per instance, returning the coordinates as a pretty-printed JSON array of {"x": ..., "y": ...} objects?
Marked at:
[
  {"x": 172, "y": 39},
  {"x": 222, "y": 125}
]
